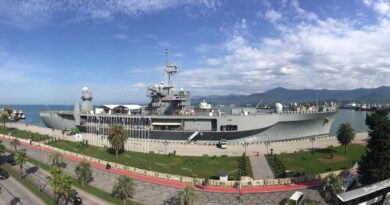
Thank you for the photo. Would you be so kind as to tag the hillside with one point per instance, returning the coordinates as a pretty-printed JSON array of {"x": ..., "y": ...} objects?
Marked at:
[{"x": 283, "y": 95}]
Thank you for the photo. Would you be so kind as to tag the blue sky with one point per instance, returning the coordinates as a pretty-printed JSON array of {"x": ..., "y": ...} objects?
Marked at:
[{"x": 50, "y": 49}]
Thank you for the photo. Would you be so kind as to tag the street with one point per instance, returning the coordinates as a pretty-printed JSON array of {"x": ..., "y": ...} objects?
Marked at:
[
  {"x": 39, "y": 176},
  {"x": 14, "y": 193}
]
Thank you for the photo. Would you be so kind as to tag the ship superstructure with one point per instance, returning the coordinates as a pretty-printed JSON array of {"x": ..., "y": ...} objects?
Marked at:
[{"x": 170, "y": 116}]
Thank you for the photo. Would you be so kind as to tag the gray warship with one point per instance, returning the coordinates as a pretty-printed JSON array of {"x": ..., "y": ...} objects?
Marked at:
[{"x": 170, "y": 116}]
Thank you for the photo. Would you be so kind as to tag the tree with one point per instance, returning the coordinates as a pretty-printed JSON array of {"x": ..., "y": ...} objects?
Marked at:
[
  {"x": 4, "y": 117},
  {"x": 15, "y": 142},
  {"x": 84, "y": 172},
  {"x": 61, "y": 184},
  {"x": 21, "y": 159},
  {"x": 345, "y": 135},
  {"x": 188, "y": 196},
  {"x": 375, "y": 162},
  {"x": 331, "y": 186},
  {"x": 117, "y": 137},
  {"x": 2, "y": 148},
  {"x": 8, "y": 111},
  {"x": 55, "y": 158},
  {"x": 124, "y": 188}
]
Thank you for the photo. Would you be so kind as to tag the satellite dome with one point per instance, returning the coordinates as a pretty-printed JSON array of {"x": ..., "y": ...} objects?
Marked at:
[
  {"x": 85, "y": 88},
  {"x": 278, "y": 107}
]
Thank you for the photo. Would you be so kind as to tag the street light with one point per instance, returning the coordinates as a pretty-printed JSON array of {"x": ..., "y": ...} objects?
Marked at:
[
  {"x": 312, "y": 139},
  {"x": 166, "y": 144},
  {"x": 245, "y": 145},
  {"x": 239, "y": 189},
  {"x": 267, "y": 144}
]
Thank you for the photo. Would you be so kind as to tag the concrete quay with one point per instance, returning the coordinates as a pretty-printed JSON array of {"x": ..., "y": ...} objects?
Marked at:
[{"x": 197, "y": 149}]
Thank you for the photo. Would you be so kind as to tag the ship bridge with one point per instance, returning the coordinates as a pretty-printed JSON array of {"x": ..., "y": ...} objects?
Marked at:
[{"x": 118, "y": 109}]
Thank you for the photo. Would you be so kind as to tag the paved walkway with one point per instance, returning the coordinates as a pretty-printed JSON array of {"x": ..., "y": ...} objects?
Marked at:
[
  {"x": 260, "y": 167},
  {"x": 155, "y": 191},
  {"x": 14, "y": 193}
]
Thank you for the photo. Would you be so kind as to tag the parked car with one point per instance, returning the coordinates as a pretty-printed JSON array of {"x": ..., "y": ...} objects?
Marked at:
[
  {"x": 295, "y": 199},
  {"x": 11, "y": 161},
  {"x": 75, "y": 199},
  {"x": 3, "y": 174}
]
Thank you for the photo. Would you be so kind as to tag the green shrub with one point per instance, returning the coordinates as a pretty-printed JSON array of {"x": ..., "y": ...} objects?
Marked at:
[{"x": 276, "y": 166}]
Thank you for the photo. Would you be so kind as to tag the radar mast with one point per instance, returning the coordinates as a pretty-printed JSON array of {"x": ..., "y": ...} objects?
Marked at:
[{"x": 170, "y": 68}]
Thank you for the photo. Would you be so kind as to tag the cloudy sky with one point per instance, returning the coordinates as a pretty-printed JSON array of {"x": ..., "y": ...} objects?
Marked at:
[{"x": 50, "y": 49}]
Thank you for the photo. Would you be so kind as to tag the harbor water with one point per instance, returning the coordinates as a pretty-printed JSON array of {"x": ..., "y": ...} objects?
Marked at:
[{"x": 355, "y": 118}]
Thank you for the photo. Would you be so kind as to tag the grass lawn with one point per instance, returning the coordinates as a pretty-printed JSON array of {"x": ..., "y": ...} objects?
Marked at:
[
  {"x": 30, "y": 186},
  {"x": 22, "y": 134},
  {"x": 202, "y": 166},
  {"x": 320, "y": 161}
]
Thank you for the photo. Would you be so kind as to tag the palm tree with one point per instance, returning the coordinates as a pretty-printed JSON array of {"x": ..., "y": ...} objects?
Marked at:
[
  {"x": 188, "y": 196},
  {"x": 345, "y": 135},
  {"x": 124, "y": 188},
  {"x": 21, "y": 159},
  {"x": 2, "y": 148},
  {"x": 15, "y": 142},
  {"x": 55, "y": 158},
  {"x": 331, "y": 186},
  {"x": 8, "y": 113},
  {"x": 117, "y": 137},
  {"x": 8, "y": 110},
  {"x": 4, "y": 117},
  {"x": 84, "y": 172},
  {"x": 61, "y": 184}
]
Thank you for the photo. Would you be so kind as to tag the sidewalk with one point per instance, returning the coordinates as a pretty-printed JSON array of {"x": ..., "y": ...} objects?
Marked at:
[{"x": 260, "y": 167}]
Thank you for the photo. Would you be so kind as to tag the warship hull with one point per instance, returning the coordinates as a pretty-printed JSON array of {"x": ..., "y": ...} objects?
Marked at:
[{"x": 256, "y": 127}]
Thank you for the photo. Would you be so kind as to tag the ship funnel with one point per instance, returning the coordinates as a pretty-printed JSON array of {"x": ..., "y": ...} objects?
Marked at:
[{"x": 278, "y": 108}]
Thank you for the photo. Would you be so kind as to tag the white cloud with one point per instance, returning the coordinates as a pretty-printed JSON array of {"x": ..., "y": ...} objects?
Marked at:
[
  {"x": 273, "y": 15},
  {"x": 312, "y": 53},
  {"x": 26, "y": 14},
  {"x": 382, "y": 7},
  {"x": 165, "y": 44}
]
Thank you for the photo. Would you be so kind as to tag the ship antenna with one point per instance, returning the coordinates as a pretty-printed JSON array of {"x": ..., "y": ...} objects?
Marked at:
[
  {"x": 166, "y": 57},
  {"x": 170, "y": 69}
]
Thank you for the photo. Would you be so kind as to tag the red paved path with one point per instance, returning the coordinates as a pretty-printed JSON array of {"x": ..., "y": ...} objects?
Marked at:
[{"x": 182, "y": 185}]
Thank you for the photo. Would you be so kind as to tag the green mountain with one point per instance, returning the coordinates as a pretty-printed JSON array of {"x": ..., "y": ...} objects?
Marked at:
[{"x": 283, "y": 95}]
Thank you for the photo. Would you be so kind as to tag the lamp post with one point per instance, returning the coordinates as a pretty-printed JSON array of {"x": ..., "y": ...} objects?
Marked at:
[
  {"x": 165, "y": 143},
  {"x": 40, "y": 167},
  {"x": 267, "y": 144},
  {"x": 239, "y": 189},
  {"x": 312, "y": 139},
  {"x": 245, "y": 145}
]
